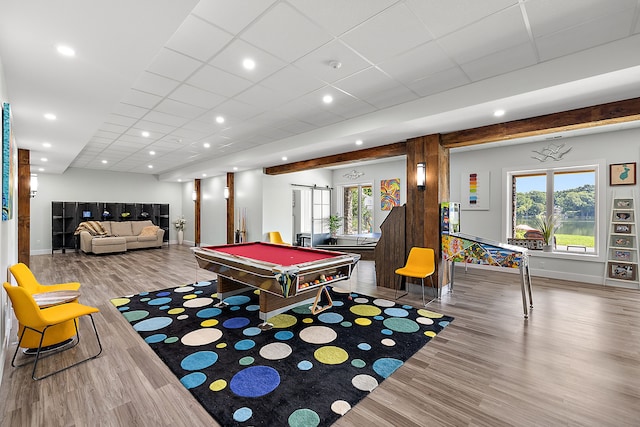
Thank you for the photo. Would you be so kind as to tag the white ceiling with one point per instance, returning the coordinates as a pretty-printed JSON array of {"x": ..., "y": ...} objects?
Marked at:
[{"x": 408, "y": 68}]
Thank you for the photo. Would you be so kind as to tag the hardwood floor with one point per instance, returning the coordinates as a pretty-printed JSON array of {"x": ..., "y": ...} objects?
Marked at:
[{"x": 574, "y": 362}]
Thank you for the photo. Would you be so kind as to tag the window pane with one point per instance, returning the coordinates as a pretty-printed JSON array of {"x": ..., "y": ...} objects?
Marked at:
[
  {"x": 574, "y": 198},
  {"x": 531, "y": 201},
  {"x": 366, "y": 209}
]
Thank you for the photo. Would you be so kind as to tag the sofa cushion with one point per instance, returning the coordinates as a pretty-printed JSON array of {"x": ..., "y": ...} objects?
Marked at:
[
  {"x": 149, "y": 231},
  {"x": 108, "y": 241},
  {"x": 107, "y": 226},
  {"x": 138, "y": 226},
  {"x": 121, "y": 228},
  {"x": 142, "y": 238}
]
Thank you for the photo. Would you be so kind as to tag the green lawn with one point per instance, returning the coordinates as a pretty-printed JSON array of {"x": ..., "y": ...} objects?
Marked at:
[{"x": 570, "y": 239}]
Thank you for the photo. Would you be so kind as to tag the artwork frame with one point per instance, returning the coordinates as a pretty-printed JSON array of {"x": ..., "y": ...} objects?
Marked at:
[
  {"x": 622, "y": 228},
  {"x": 7, "y": 172},
  {"x": 622, "y": 241},
  {"x": 622, "y": 271},
  {"x": 475, "y": 192},
  {"x": 389, "y": 193},
  {"x": 622, "y": 173},
  {"x": 621, "y": 255},
  {"x": 623, "y": 216},
  {"x": 623, "y": 204}
]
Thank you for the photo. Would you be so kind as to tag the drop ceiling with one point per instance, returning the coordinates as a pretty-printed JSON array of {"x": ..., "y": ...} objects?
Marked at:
[{"x": 395, "y": 70}]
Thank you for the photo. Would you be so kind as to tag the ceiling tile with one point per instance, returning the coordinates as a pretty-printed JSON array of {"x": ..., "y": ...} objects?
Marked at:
[
  {"x": 174, "y": 65},
  {"x": 155, "y": 84},
  {"x": 218, "y": 81},
  {"x": 440, "y": 82},
  {"x": 288, "y": 42},
  {"x": 501, "y": 62},
  {"x": 141, "y": 99},
  {"x": 417, "y": 63},
  {"x": 230, "y": 60},
  {"x": 232, "y": 15},
  {"x": 351, "y": 12},
  {"x": 262, "y": 97},
  {"x": 192, "y": 34},
  {"x": 177, "y": 108},
  {"x": 363, "y": 84},
  {"x": 319, "y": 62},
  {"x": 390, "y": 96},
  {"x": 296, "y": 81},
  {"x": 198, "y": 97},
  {"x": 130, "y": 110},
  {"x": 152, "y": 127},
  {"x": 378, "y": 41},
  {"x": 492, "y": 34}
]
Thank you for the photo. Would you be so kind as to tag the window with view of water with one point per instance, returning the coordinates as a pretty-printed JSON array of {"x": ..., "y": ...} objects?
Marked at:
[
  {"x": 358, "y": 209},
  {"x": 567, "y": 196}
]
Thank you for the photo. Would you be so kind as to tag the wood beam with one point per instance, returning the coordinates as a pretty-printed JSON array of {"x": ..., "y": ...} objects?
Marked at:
[
  {"x": 385, "y": 151},
  {"x": 581, "y": 118},
  {"x": 231, "y": 221},
  {"x": 196, "y": 188},
  {"x": 24, "y": 206}
]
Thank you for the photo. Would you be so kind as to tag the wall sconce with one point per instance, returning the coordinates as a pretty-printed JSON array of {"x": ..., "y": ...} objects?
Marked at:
[
  {"x": 194, "y": 195},
  {"x": 226, "y": 193},
  {"x": 33, "y": 186},
  {"x": 421, "y": 175}
]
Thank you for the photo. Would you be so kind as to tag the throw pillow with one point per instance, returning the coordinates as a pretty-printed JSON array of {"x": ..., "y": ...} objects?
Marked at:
[{"x": 151, "y": 230}]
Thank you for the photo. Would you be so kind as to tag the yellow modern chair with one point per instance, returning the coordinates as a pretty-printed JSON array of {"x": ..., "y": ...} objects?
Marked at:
[
  {"x": 25, "y": 279},
  {"x": 40, "y": 321},
  {"x": 274, "y": 237},
  {"x": 420, "y": 264}
]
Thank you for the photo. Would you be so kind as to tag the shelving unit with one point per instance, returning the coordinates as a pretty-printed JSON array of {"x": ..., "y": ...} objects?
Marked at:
[
  {"x": 65, "y": 217},
  {"x": 622, "y": 251}
]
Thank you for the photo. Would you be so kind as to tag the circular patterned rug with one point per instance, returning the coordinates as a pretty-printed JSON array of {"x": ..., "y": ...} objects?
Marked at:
[{"x": 306, "y": 371}]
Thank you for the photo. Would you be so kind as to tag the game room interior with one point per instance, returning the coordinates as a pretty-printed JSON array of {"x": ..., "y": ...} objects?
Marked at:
[{"x": 529, "y": 315}]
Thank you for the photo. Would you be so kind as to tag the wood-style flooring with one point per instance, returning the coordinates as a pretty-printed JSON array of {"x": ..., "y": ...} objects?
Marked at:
[{"x": 574, "y": 362}]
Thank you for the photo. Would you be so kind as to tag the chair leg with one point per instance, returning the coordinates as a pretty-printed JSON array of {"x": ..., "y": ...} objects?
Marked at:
[
  {"x": 437, "y": 291},
  {"x": 35, "y": 363},
  {"x": 403, "y": 280}
]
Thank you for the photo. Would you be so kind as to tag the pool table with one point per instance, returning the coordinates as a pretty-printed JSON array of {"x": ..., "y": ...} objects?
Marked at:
[{"x": 285, "y": 275}]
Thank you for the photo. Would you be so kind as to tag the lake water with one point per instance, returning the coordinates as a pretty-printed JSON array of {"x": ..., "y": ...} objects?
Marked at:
[{"x": 574, "y": 227}]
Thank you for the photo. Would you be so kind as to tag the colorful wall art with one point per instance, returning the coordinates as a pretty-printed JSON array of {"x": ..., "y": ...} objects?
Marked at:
[
  {"x": 474, "y": 194},
  {"x": 389, "y": 193},
  {"x": 7, "y": 173}
]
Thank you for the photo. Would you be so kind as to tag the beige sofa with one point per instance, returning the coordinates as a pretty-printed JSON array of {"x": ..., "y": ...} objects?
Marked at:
[{"x": 101, "y": 237}]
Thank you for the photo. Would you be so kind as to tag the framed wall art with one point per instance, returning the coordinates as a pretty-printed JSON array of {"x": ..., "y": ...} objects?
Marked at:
[
  {"x": 389, "y": 193},
  {"x": 622, "y": 271},
  {"x": 622, "y": 174},
  {"x": 622, "y": 228},
  {"x": 7, "y": 172},
  {"x": 474, "y": 192}
]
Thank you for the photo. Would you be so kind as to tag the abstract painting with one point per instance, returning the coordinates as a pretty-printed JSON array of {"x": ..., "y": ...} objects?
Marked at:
[
  {"x": 474, "y": 192},
  {"x": 389, "y": 193},
  {"x": 7, "y": 173}
]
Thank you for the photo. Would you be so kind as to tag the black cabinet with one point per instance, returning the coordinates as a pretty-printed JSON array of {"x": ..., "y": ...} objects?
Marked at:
[{"x": 65, "y": 217}]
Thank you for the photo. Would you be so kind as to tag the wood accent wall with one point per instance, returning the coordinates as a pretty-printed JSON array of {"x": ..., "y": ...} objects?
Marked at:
[
  {"x": 231, "y": 221},
  {"x": 390, "y": 252},
  {"x": 197, "y": 207},
  {"x": 24, "y": 206}
]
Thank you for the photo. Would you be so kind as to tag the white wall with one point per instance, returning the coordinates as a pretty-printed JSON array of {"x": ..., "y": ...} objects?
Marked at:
[
  {"x": 373, "y": 174},
  {"x": 8, "y": 242},
  {"x": 213, "y": 211},
  {"x": 83, "y": 185},
  {"x": 601, "y": 149}
]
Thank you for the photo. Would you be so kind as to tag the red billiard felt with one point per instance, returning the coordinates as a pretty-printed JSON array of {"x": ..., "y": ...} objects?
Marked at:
[{"x": 275, "y": 254}]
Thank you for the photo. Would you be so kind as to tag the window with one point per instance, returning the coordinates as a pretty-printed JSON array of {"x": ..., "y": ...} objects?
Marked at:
[
  {"x": 570, "y": 194},
  {"x": 358, "y": 209}
]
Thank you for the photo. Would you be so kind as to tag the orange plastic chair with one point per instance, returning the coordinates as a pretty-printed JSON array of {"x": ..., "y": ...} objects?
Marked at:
[
  {"x": 420, "y": 264},
  {"x": 25, "y": 279},
  {"x": 39, "y": 321},
  {"x": 274, "y": 237}
]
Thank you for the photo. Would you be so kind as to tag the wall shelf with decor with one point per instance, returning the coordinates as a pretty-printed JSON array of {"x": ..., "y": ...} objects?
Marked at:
[{"x": 622, "y": 246}]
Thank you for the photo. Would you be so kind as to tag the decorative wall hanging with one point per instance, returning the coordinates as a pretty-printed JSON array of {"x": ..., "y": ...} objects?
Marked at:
[
  {"x": 551, "y": 151},
  {"x": 7, "y": 172},
  {"x": 354, "y": 174},
  {"x": 389, "y": 193},
  {"x": 474, "y": 194},
  {"x": 622, "y": 174}
]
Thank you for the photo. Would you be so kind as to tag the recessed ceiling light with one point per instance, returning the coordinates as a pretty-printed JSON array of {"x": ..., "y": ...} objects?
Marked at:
[
  {"x": 358, "y": 142},
  {"x": 498, "y": 113},
  {"x": 235, "y": 168},
  {"x": 44, "y": 159},
  {"x": 50, "y": 116},
  {"x": 179, "y": 179},
  {"x": 145, "y": 134},
  {"x": 150, "y": 166},
  {"x": 327, "y": 99},
  {"x": 204, "y": 174},
  {"x": 46, "y": 144},
  {"x": 284, "y": 158},
  {"x": 104, "y": 162},
  {"x": 66, "y": 50},
  {"x": 249, "y": 64},
  {"x": 153, "y": 153},
  {"x": 40, "y": 169},
  {"x": 219, "y": 119},
  {"x": 206, "y": 145}
]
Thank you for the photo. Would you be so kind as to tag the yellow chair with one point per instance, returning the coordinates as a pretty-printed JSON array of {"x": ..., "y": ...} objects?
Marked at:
[
  {"x": 57, "y": 334},
  {"x": 40, "y": 321},
  {"x": 25, "y": 279},
  {"x": 274, "y": 237},
  {"x": 420, "y": 264}
]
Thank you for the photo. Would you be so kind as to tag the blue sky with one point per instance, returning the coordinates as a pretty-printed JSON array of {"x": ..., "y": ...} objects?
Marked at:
[{"x": 562, "y": 181}]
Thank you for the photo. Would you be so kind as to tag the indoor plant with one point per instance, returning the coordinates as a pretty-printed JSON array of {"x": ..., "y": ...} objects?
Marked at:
[
  {"x": 547, "y": 224},
  {"x": 335, "y": 222}
]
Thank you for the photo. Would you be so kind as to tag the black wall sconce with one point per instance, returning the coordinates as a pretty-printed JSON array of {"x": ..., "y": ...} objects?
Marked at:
[{"x": 421, "y": 175}]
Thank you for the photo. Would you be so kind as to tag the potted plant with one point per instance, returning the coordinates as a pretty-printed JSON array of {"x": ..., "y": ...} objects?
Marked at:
[
  {"x": 334, "y": 222},
  {"x": 547, "y": 224}
]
